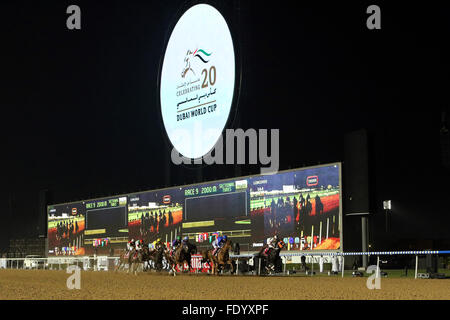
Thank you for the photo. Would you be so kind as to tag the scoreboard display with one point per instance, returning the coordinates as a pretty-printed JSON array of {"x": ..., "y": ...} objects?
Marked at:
[
  {"x": 302, "y": 206},
  {"x": 210, "y": 189},
  {"x": 106, "y": 216}
]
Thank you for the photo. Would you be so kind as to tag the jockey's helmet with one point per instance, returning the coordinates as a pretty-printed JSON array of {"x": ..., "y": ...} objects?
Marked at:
[{"x": 186, "y": 238}]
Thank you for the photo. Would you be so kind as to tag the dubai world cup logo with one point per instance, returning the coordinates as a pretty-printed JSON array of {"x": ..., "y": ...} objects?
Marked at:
[
  {"x": 197, "y": 76},
  {"x": 197, "y": 80}
]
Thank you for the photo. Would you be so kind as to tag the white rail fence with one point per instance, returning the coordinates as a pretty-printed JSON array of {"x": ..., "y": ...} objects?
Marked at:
[
  {"x": 105, "y": 263},
  {"x": 98, "y": 263}
]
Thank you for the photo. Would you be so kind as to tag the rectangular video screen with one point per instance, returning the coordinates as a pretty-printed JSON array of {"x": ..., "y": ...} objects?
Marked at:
[
  {"x": 155, "y": 215},
  {"x": 88, "y": 227},
  {"x": 225, "y": 205},
  {"x": 109, "y": 219},
  {"x": 301, "y": 206},
  {"x": 66, "y": 225}
]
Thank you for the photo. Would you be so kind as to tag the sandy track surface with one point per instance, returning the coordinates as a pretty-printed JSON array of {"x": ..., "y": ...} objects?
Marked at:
[{"x": 45, "y": 284}]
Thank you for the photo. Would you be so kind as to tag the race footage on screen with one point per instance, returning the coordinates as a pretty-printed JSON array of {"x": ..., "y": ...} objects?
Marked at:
[
  {"x": 89, "y": 227},
  {"x": 301, "y": 206}
]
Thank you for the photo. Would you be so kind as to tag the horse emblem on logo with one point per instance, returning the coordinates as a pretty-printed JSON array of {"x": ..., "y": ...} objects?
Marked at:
[
  {"x": 187, "y": 61},
  {"x": 198, "y": 53}
]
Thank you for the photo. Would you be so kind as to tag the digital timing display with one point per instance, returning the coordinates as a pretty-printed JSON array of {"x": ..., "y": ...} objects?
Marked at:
[
  {"x": 210, "y": 189},
  {"x": 109, "y": 203}
]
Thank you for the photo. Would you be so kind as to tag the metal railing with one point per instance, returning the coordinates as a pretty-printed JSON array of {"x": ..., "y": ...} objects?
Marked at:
[
  {"x": 105, "y": 263},
  {"x": 97, "y": 263},
  {"x": 312, "y": 257}
]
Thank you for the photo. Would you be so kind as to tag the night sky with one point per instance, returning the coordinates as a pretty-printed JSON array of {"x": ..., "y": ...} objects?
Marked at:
[{"x": 80, "y": 114}]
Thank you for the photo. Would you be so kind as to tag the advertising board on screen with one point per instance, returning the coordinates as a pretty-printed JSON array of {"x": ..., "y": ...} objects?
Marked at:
[{"x": 302, "y": 206}]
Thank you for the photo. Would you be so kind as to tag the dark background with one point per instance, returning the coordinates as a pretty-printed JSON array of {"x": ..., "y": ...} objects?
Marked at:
[{"x": 80, "y": 115}]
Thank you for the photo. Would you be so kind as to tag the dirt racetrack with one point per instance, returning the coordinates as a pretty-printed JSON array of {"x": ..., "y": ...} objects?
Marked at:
[{"x": 45, "y": 284}]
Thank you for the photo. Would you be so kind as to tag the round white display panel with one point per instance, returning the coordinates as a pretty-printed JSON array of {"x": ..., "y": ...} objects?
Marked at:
[{"x": 197, "y": 81}]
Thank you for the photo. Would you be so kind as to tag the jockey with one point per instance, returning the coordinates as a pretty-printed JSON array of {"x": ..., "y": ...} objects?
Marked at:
[
  {"x": 130, "y": 245},
  {"x": 271, "y": 243},
  {"x": 175, "y": 243},
  {"x": 218, "y": 243},
  {"x": 185, "y": 242},
  {"x": 138, "y": 245},
  {"x": 157, "y": 243}
]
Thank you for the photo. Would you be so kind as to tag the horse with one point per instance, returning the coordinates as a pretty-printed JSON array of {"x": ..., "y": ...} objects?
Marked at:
[
  {"x": 273, "y": 256},
  {"x": 308, "y": 208},
  {"x": 137, "y": 259},
  {"x": 187, "y": 67},
  {"x": 221, "y": 259},
  {"x": 161, "y": 223},
  {"x": 156, "y": 256},
  {"x": 146, "y": 257},
  {"x": 207, "y": 256},
  {"x": 168, "y": 258},
  {"x": 319, "y": 206},
  {"x": 125, "y": 258},
  {"x": 181, "y": 255}
]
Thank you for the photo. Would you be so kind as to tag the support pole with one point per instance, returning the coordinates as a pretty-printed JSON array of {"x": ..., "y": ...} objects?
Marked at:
[
  {"x": 364, "y": 240},
  {"x": 342, "y": 266},
  {"x": 417, "y": 265},
  {"x": 259, "y": 266},
  {"x": 378, "y": 267}
]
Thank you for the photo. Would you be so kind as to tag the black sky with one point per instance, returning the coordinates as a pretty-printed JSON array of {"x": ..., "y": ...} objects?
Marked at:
[{"x": 80, "y": 115}]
